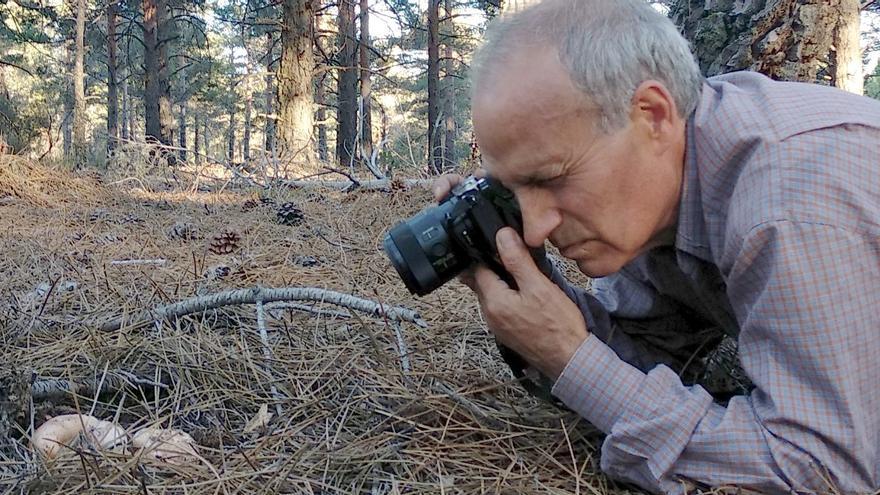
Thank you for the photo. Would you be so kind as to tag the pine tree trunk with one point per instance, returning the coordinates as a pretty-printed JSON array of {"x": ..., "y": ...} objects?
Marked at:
[
  {"x": 449, "y": 98},
  {"x": 248, "y": 105},
  {"x": 79, "y": 92},
  {"x": 230, "y": 136},
  {"x": 269, "y": 96},
  {"x": 790, "y": 40},
  {"x": 435, "y": 135},
  {"x": 365, "y": 83},
  {"x": 295, "y": 94},
  {"x": 346, "y": 99},
  {"x": 112, "y": 88},
  {"x": 158, "y": 120},
  {"x": 181, "y": 117},
  {"x": 67, "y": 122},
  {"x": 197, "y": 145},
  {"x": 124, "y": 130}
]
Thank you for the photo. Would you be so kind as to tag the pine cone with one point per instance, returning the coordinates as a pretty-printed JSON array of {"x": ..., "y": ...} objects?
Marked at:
[
  {"x": 225, "y": 242},
  {"x": 289, "y": 214},
  {"x": 267, "y": 201},
  {"x": 396, "y": 185},
  {"x": 249, "y": 205}
]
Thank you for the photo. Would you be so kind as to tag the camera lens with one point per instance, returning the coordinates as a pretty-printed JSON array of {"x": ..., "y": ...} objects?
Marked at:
[{"x": 422, "y": 251}]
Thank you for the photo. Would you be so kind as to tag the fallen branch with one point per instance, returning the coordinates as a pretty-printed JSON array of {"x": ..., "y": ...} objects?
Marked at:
[
  {"x": 271, "y": 308},
  {"x": 368, "y": 185},
  {"x": 57, "y": 388},
  {"x": 267, "y": 355},
  {"x": 251, "y": 296}
]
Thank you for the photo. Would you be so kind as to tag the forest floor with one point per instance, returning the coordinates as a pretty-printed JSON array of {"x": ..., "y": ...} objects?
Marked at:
[{"x": 326, "y": 400}]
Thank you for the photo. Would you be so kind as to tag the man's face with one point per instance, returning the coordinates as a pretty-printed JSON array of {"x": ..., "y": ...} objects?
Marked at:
[{"x": 602, "y": 199}]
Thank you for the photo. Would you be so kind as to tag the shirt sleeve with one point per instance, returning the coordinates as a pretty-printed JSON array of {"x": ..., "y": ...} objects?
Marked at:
[{"x": 806, "y": 296}]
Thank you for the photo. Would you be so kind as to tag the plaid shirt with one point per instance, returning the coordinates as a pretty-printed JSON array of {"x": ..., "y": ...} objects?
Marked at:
[{"x": 778, "y": 244}]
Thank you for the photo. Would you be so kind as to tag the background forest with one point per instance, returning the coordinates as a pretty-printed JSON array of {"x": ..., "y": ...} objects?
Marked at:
[
  {"x": 349, "y": 83},
  {"x": 193, "y": 197}
]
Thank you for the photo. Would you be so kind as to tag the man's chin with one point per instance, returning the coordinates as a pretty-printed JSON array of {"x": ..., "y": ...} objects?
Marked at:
[{"x": 598, "y": 268}]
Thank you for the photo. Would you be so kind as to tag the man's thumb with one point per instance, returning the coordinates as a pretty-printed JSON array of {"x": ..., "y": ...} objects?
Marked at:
[{"x": 514, "y": 254}]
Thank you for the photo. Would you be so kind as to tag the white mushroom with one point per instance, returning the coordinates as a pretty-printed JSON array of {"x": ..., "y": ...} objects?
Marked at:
[
  {"x": 166, "y": 445},
  {"x": 70, "y": 430}
]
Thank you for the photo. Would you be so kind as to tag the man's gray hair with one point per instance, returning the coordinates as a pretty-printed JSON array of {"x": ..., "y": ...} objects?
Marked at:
[{"x": 609, "y": 47}]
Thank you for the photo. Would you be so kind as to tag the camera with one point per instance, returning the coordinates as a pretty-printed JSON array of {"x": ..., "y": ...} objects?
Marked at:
[{"x": 440, "y": 242}]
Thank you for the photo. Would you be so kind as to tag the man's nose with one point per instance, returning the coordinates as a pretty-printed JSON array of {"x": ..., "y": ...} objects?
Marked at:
[{"x": 539, "y": 220}]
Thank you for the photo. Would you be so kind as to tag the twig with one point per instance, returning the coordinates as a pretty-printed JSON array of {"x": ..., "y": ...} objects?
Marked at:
[
  {"x": 267, "y": 354},
  {"x": 308, "y": 309},
  {"x": 251, "y": 296},
  {"x": 53, "y": 388},
  {"x": 138, "y": 262},
  {"x": 369, "y": 185}
]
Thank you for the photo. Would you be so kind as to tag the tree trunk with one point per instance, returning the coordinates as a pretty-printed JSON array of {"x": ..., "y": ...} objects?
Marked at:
[
  {"x": 269, "y": 95},
  {"x": 124, "y": 130},
  {"x": 346, "y": 100},
  {"x": 67, "y": 122},
  {"x": 197, "y": 145},
  {"x": 449, "y": 98},
  {"x": 230, "y": 136},
  {"x": 435, "y": 135},
  {"x": 509, "y": 6},
  {"x": 181, "y": 120},
  {"x": 295, "y": 95},
  {"x": 366, "y": 123},
  {"x": 79, "y": 91},
  {"x": 248, "y": 105},
  {"x": 158, "y": 120},
  {"x": 112, "y": 92},
  {"x": 206, "y": 135},
  {"x": 789, "y": 40}
]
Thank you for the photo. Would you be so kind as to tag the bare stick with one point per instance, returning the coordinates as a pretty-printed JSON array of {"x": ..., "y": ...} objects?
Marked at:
[
  {"x": 251, "y": 296},
  {"x": 267, "y": 354},
  {"x": 54, "y": 388},
  {"x": 369, "y": 185},
  {"x": 138, "y": 262}
]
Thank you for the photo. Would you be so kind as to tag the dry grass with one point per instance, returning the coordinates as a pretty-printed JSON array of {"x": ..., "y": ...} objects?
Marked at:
[{"x": 352, "y": 421}]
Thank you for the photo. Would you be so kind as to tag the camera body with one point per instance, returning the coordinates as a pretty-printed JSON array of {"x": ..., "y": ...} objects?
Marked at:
[{"x": 440, "y": 242}]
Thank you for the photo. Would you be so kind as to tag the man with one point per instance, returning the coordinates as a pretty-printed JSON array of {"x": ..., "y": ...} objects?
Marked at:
[{"x": 736, "y": 204}]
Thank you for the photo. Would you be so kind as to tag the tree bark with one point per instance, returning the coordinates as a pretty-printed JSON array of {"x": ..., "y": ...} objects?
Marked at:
[
  {"x": 366, "y": 124},
  {"x": 346, "y": 100},
  {"x": 449, "y": 98},
  {"x": 112, "y": 88},
  {"x": 435, "y": 135},
  {"x": 790, "y": 40},
  {"x": 79, "y": 92},
  {"x": 295, "y": 95},
  {"x": 67, "y": 122}
]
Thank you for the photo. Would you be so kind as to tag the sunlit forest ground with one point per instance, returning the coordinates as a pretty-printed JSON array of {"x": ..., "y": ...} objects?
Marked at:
[{"x": 328, "y": 400}]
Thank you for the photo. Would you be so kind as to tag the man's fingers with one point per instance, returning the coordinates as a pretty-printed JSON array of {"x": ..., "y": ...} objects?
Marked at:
[
  {"x": 516, "y": 258},
  {"x": 443, "y": 184}
]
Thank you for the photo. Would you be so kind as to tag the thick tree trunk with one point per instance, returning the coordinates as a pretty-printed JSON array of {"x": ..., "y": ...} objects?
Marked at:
[
  {"x": 79, "y": 91},
  {"x": 366, "y": 123},
  {"x": 112, "y": 91},
  {"x": 435, "y": 134},
  {"x": 346, "y": 99},
  {"x": 449, "y": 98},
  {"x": 158, "y": 120},
  {"x": 791, "y": 40},
  {"x": 295, "y": 95}
]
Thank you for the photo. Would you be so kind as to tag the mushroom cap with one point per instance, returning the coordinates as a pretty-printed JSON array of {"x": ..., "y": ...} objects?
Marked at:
[
  {"x": 166, "y": 445},
  {"x": 69, "y": 430}
]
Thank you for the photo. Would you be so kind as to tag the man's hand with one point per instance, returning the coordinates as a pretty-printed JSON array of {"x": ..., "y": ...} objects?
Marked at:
[{"x": 538, "y": 320}]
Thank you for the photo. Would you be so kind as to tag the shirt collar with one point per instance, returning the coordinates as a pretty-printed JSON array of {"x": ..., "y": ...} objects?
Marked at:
[{"x": 691, "y": 235}]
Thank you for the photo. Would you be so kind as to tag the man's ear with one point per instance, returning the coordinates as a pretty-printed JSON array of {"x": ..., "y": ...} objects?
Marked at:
[{"x": 654, "y": 107}]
